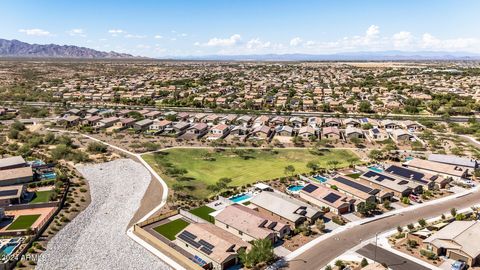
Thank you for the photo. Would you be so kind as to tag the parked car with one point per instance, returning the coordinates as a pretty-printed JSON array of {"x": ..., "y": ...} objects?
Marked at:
[
  {"x": 459, "y": 265},
  {"x": 415, "y": 198}
]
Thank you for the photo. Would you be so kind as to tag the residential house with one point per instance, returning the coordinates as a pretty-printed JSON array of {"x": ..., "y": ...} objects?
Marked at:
[
  {"x": 378, "y": 134},
  {"x": 307, "y": 132},
  {"x": 16, "y": 176},
  {"x": 249, "y": 224},
  {"x": 331, "y": 133},
  {"x": 219, "y": 131},
  {"x": 11, "y": 195},
  {"x": 211, "y": 246},
  {"x": 357, "y": 190},
  {"x": 285, "y": 209},
  {"x": 457, "y": 241},
  {"x": 455, "y": 160},
  {"x": 12, "y": 163},
  {"x": 196, "y": 131},
  {"x": 326, "y": 197},
  {"x": 262, "y": 132},
  {"x": 447, "y": 170},
  {"x": 142, "y": 125},
  {"x": 353, "y": 132}
]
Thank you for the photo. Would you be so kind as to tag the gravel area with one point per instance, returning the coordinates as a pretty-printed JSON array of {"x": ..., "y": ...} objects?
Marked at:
[{"x": 96, "y": 238}]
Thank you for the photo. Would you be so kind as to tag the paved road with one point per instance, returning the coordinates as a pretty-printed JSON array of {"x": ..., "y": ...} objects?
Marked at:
[
  {"x": 393, "y": 260},
  {"x": 332, "y": 247}
]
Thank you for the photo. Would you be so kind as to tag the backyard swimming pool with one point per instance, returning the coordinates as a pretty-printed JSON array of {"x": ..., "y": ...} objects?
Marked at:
[
  {"x": 50, "y": 175},
  {"x": 240, "y": 198},
  {"x": 376, "y": 169},
  {"x": 296, "y": 188},
  {"x": 320, "y": 178}
]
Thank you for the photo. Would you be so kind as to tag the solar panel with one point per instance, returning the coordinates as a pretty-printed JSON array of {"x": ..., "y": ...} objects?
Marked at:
[
  {"x": 189, "y": 241},
  {"x": 206, "y": 244},
  {"x": 206, "y": 250},
  {"x": 331, "y": 197},
  {"x": 407, "y": 173},
  {"x": 310, "y": 188},
  {"x": 353, "y": 184},
  {"x": 9, "y": 192},
  {"x": 189, "y": 234},
  {"x": 379, "y": 177}
]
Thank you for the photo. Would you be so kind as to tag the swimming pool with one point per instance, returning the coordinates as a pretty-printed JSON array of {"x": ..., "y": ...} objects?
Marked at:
[
  {"x": 50, "y": 175},
  {"x": 240, "y": 198},
  {"x": 376, "y": 169},
  {"x": 296, "y": 188},
  {"x": 408, "y": 158},
  {"x": 320, "y": 178},
  {"x": 8, "y": 248}
]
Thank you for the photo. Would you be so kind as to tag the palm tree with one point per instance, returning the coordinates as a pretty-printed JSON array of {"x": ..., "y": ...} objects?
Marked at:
[
  {"x": 333, "y": 163},
  {"x": 289, "y": 170}
]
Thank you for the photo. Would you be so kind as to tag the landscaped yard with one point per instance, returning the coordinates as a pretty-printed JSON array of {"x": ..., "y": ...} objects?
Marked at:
[
  {"x": 170, "y": 229},
  {"x": 41, "y": 196},
  {"x": 23, "y": 222},
  {"x": 203, "y": 212},
  {"x": 195, "y": 169}
]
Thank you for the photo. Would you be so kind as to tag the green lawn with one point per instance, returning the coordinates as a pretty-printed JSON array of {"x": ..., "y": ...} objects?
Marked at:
[
  {"x": 41, "y": 196},
  {"x": 203, "y": 212},
  {"x": 23, "y": 222},
  {"x": 170, "y": 229},
  {"x": 205, "y": 166},
  {"x": 354, "y": 175}
]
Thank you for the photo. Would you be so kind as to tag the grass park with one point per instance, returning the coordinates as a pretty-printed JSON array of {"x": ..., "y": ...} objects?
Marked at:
[
  {"x": 23, "y": 222},
  {"x": 195, "y": 170}
]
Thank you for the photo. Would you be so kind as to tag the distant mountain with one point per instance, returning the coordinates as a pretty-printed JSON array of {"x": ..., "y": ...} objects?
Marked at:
[
  {"x": 15, "y": 48},
  {"x": 351, "y": 56}
]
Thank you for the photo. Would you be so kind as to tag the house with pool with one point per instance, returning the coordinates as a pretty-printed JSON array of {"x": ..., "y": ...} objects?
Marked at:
[
  {"x": 326, "y": 197},
  {"x": 249, "y": 224},
  {"x": 359, "y": 191},
  {"x": 285, "y": 209}
]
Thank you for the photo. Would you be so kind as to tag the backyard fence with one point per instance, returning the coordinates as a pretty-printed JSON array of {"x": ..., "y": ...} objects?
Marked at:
[{"x": 191, "y": 216}]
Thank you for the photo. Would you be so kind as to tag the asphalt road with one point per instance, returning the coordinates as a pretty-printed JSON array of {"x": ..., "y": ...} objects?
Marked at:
[
  {"x": 392, "y": 260},
  {"x": 332, "y": 247}
]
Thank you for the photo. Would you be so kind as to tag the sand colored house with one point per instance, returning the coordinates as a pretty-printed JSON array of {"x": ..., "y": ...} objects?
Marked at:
[
  {"x": 210, "y": 245},
  {"x": 249, "y": 224}
]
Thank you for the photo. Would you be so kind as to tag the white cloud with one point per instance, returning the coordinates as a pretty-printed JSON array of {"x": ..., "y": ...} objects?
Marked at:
[
  {"x": 134, "y": 36},
  {"x": 35, "y": 32},
  {"x": 77, "y": 32},
  {"x": 116, "y": 32},
  {"x": 431, "y": 42},
  {"x": 257, "y": 44},
  {"x": 294, "y": 42},
  {"x": 402, "y": 39},
  {"x": 183, "y": 35},
  {"x": 372, "y": 31},
  {"x": 158, "y": 36},
  {"x": 223, "y": 42}
]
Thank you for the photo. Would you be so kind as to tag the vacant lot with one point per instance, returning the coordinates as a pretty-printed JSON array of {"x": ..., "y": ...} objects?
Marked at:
[
  {"x": 23, "y": 222},
  {"x": 170, "y": 229},
  {"x": 197, "y": 168}
]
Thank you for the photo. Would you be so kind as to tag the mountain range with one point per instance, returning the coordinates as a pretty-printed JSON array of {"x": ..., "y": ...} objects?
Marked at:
[{"x": 16, "y": 48}]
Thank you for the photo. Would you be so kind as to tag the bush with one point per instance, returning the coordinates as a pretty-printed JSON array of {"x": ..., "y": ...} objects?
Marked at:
[
  {"x": 97, "y": 147},
  {"x": 428, "y": 254}
]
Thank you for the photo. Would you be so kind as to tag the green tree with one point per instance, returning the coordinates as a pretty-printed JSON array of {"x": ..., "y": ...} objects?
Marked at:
[
  {"x": 289, "y": 170},
  {"x": 261, "y": 252}
]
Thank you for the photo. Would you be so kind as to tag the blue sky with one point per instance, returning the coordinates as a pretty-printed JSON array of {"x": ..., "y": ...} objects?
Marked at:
[{"x": 202, "y": 27}]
